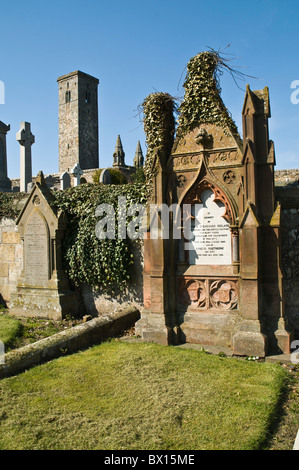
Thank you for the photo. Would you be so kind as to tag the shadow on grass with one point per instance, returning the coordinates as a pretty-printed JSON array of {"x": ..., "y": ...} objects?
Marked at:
[{"x": 276, "y": 417}]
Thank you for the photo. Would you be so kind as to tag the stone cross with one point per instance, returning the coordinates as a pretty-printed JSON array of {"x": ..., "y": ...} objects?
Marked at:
[
  {"x": 25, "y": 139},
  {"x": 77, "y": 172},
  {"x": 5, "y": 183}
]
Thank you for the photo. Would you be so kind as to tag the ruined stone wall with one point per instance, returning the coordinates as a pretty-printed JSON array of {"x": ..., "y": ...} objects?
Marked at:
[
  {"x": 53, "y": 181},
  {"x": 11, "y": 258},
  {"x": 286, "y": 177},
  {"x": 95, "y": 301},
  {"x": 287, "y": 193}
]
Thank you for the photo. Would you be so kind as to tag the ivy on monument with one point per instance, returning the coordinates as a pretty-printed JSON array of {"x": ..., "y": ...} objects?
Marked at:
[
  {"x": 88, "y": 260},
  {"x": 159, "y": 127},
  {"x": 202, "y": 101}
]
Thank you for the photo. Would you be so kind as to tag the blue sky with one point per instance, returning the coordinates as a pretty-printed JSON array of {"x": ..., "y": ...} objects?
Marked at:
[{"x": 136, "y": 48}]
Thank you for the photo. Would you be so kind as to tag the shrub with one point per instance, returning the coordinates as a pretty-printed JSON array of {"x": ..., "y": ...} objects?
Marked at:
[{"x": 117, "y": 177}]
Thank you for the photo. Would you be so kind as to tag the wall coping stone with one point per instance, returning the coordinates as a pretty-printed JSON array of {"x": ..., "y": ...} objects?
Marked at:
[{"x": 69, "y": 341}]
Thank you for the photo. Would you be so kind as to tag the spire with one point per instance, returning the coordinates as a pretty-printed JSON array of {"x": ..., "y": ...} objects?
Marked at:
[
  {"x": 119, "y": 154},
  {"x": 138, "y": 159}
]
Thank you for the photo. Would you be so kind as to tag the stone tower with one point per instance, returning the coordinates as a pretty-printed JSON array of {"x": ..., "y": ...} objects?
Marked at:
[{"x": 78, "y": 121}]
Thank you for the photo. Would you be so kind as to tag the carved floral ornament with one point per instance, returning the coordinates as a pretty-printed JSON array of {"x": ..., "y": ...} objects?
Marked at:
[
  {"x": 181, "y": 180},
  {"x": 229, "y": 177},
  {"x": 194, "y": 197},
  {"x": 203, "y": 138},
  {"x": 215, "y": 158},
  {"x": 36, "y": 200},
  {"x": 221, "y": 294},
  {"x": 224, "y": 294}
]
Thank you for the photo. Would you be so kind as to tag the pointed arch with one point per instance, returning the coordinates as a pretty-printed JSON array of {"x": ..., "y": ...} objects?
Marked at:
[{"x": 205, "y": 180}]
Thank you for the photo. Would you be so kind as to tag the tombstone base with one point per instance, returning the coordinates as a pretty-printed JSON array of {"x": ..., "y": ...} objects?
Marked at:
[
  {"x": 249, "y": 341},
  {"x": 284, "y": 339},
  {"x": 43, "y": 303},
  {"x": 151, "y": 327},
  {"x": 214, "y": 329},
  {"x": 280, "y": 338}
]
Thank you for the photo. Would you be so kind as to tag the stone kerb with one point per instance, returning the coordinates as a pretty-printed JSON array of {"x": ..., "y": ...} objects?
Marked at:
[{"x": 69, "y": 341}]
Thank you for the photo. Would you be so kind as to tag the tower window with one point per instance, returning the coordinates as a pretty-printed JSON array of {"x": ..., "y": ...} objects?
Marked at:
[{"x": 68, "y": 96}]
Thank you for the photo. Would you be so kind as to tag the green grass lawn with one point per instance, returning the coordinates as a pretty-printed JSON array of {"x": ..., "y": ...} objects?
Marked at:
[
  {"x": 140, "y": 396},
  {"x": 17, "y": 332},
  {"x": 10, "y": 330}
]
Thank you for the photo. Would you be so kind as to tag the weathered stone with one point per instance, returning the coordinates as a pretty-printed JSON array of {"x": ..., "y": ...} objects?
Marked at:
[
  {"x": 247, "y": 343},
  {"x": 3, "y": 269},
  {"x": 7, "y": 253},
  {"x": 10, "y": 238}
]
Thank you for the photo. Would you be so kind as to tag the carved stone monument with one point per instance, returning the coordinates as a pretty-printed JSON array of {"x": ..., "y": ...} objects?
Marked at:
[
  {"x": 42, "y": 290},
  {"x": 5, "y": 183},
  {"x": 26, "y": 139},
  {"x": 220, "y": 283}
]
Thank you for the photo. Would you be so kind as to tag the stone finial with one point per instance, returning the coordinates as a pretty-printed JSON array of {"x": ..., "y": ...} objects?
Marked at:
[
  {"x": 119, "y": 154},
  {"x": 138, "y": 159},
  {"x": 40, "y": 178}
]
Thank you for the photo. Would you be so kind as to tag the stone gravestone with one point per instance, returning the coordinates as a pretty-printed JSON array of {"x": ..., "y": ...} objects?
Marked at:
[
  {"x": 77, "y": 172},
  {"x": 219, "y": 282},
  {"x": 26, "y": 139},
  {"x": 65, "y": 181},
  {"x": 42, "y": 290},
  {"x": 5, "y": 183},
  {"x": 105, "y": 177}
]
